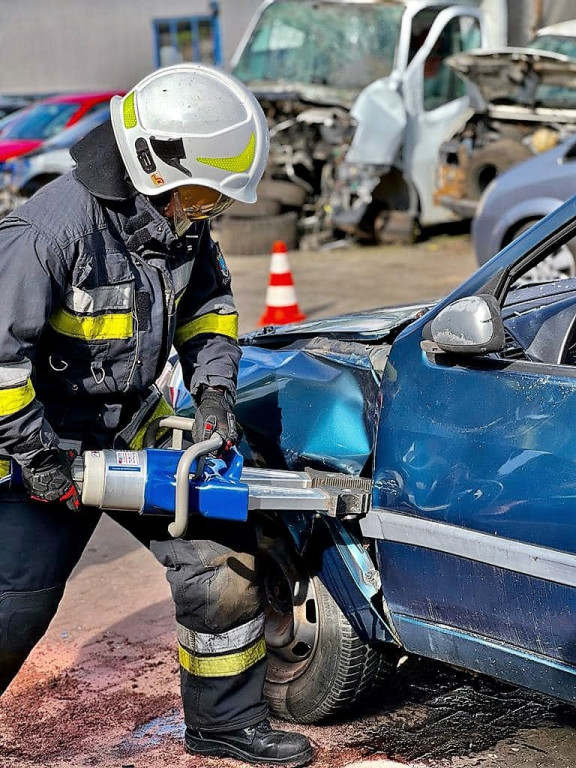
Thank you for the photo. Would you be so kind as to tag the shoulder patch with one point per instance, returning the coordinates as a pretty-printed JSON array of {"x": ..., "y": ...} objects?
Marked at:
[{"x": 221, "y": 265}]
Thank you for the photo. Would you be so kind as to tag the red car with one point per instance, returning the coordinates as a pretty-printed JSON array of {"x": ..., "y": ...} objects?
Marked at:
[{"x": 45, "y": 118}]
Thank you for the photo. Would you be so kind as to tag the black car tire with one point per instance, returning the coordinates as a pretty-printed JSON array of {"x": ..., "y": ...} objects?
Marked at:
[
  {"x": 317, "y": 665},
  {"x": 285, "y": 192},
  {"x": 248, "y": 237},
  {"x": 490, "y": 161},
  {"x": 262, "y": 207}
]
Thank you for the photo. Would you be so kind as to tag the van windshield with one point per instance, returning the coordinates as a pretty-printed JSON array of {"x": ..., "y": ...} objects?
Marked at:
[{"x": 338, "y": 45}]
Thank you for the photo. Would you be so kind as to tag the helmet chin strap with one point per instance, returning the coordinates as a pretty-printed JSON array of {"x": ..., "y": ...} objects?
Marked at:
[{"x": 181, "y": 225}]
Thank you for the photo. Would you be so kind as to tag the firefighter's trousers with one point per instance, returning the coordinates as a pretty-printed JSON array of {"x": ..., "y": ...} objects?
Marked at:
[{"x": 213, "y": 577}]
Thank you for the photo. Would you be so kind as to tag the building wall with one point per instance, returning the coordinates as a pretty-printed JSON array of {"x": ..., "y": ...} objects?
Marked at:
[
  {"x": 525, "y": 16},
  {"x": 64, "y": 45},
  {"x": 233, "y": 24},
  {"x": 552, "y": 11}
]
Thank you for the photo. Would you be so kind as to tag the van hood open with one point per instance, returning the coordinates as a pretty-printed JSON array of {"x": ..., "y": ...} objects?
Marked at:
[{"x": 519, "y": 76}]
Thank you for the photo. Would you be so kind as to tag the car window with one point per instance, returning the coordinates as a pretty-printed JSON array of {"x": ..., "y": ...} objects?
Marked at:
[
  {"x": 315, "y": 44},
  {"x": 441, "y": 83},
  {"x": 540, "y": 314},
  {"x": 6, "y": 120},
  {"x": 94, "y": 108},
  {"x": 69, "y": 136},
  {"x": 555, "y": 44},
  {"x": 421, "y": 25},
  {"x": 555, "y": 96},
  {"x": 40, "y": 122},
  {"x": 8, "y": 107}
]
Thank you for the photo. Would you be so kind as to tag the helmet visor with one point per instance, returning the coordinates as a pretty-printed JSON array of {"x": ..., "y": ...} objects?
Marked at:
[{"x": 194, "y": 202}]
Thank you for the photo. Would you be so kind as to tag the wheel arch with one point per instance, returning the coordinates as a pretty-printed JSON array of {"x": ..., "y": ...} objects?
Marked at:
[
  {"x": 506, "y": 224},
  {"x": 397, "y": 192},
  {"x": 393, "y": 212},
  {"x": 517, "y": 216},
  {"x": 344, "y": 567},
  {"x": 318, "y": 663}
]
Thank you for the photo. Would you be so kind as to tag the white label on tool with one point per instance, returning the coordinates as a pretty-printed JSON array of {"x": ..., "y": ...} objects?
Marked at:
[{"x": 127, "y": 458}]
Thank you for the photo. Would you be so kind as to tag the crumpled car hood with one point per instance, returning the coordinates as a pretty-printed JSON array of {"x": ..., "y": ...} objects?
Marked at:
[
  {"x": 371, "y": 325},
  {"x": 513, "y": 73}
]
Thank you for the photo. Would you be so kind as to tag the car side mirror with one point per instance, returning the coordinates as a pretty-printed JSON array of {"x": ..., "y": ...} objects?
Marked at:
[{"x": 469, "y": 326}]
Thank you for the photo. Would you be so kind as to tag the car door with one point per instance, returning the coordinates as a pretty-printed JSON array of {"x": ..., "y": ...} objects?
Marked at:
[
  {"x": 436, "y": 100},
  {"x": 475, "y": 477}
]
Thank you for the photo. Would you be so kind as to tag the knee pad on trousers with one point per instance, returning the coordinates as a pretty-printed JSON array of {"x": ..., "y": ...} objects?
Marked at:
[
  {"x": 219, "y": 598},
  {"x": 24, "y": 618}
]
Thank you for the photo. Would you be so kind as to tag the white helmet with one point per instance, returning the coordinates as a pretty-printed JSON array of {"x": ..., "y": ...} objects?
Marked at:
[{"x": 191, "y": 124}]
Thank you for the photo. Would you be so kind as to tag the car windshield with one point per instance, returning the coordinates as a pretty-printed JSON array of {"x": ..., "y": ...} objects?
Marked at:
[
  {"x": 555, "y": 44},
  {"x": 6, "y": 120},
  {"x": 40, "y": 122},
  {"x": 322, "y": 44},
  {"x": 69, "y": 136},
  {"x": 563, "y": 96}
]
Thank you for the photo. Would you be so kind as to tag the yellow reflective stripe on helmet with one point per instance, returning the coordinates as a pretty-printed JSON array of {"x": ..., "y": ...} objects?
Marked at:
[
  {"x": 226, "y": 665},
  {"x": 99, "y": 328},
  {"x": 238, "y": 163},
  {"x": 129, "y": 112},
  {"x": 226, "y": 325},
  {"x": 14, "y": 399}
]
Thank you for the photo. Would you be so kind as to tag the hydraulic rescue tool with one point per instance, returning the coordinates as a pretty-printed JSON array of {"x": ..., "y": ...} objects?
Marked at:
[{"x": 176, "y": 482}]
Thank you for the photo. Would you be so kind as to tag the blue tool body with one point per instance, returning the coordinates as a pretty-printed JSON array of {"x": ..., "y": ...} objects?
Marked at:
[{"x": 216, "y": 492}]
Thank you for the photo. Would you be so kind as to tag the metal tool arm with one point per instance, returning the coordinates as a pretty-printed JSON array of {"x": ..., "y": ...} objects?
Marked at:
[
  {"x": 178, "y": 527},
  {"x": 178, "y": 425}
]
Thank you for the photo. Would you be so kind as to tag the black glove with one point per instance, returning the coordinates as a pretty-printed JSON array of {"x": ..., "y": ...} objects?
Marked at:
[
  {"x": 215, "y": 414},
  {"x": 49, "y": 479}
]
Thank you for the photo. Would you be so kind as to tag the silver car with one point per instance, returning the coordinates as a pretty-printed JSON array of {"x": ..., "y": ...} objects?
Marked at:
[{"x": 520, "y": 197}]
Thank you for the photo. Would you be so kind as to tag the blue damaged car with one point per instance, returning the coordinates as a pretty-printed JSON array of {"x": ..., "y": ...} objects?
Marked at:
[{"x": 456, "y": 424}]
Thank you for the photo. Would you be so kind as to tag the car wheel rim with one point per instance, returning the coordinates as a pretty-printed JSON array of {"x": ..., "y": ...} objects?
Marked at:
[
  {"x": 291, "y": 620},
  {"x": 558, "y": 266}
]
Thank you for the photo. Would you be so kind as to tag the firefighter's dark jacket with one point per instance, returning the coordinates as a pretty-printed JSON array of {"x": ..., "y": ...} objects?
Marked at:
[{"x": 94, "y": 290}]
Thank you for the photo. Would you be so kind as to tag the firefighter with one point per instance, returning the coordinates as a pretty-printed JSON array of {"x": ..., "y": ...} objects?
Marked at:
[{"x": 102, "y": 272}]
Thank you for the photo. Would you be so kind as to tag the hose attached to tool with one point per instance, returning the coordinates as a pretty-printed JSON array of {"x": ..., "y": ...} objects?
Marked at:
[{"x": 178, "y": 527}]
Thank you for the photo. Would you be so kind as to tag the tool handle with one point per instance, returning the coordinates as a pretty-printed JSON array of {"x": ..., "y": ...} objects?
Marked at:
[
  {"x": 178, "y": 527},
  {"x": 178, "y": 424}
]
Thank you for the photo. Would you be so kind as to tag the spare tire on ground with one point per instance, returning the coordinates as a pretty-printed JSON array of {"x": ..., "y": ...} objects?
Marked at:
[
  {"x": 246, "y": 237},
  {"x": 262, "y": 207},
  {"x": 490, "y": 161},
  {"x": 287, "y": 193}
]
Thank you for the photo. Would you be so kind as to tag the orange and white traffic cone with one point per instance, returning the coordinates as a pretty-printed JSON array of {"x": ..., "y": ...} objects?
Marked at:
[{"x": 281, "y": 304}]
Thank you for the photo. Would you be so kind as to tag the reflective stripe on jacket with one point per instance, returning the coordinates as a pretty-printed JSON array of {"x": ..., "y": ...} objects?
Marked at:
[{"x": 93, "y": 293}]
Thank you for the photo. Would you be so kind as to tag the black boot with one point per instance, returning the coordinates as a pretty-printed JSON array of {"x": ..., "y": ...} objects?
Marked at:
[{"x": 255, "y": 744}]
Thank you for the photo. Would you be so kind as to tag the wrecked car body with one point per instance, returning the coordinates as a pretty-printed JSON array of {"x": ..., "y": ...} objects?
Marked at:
[
  {"x": 524, "y": 103},
  {"x": 457, "y": 418},
  {"x": 285, "y": 365},
  {"x": 358, "y": 100}
]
